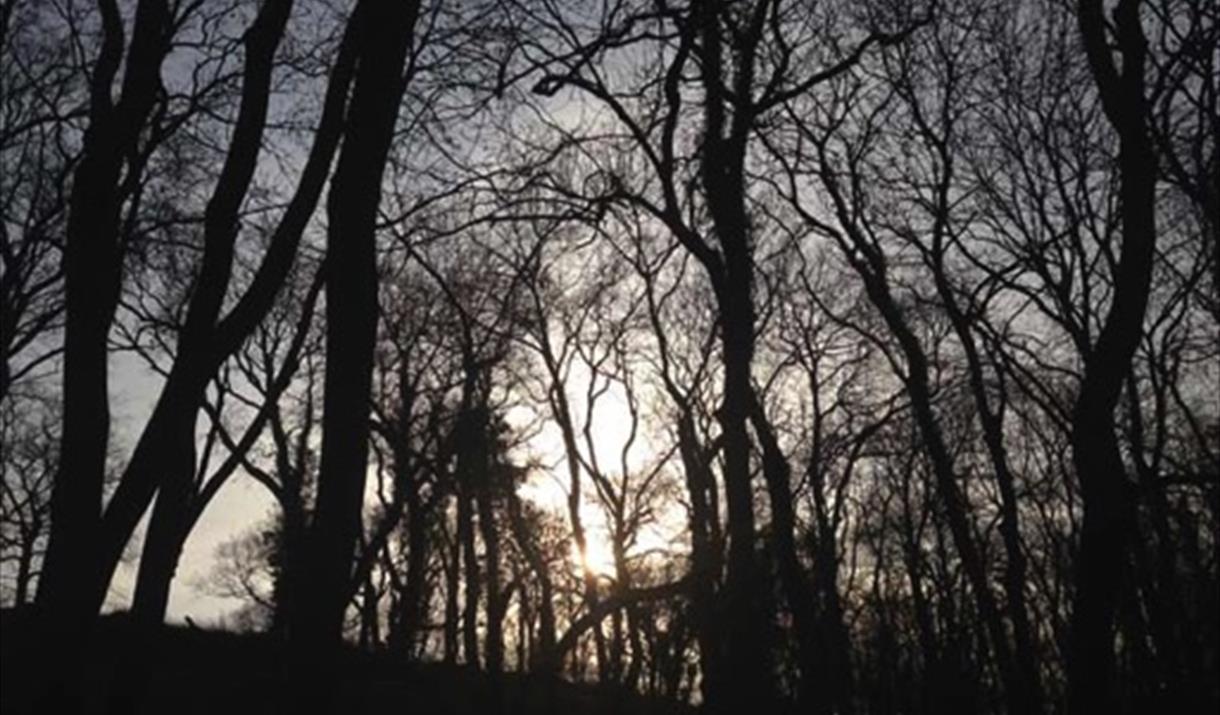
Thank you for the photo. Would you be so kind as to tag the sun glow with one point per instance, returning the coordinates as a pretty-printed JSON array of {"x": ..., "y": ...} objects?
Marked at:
[
  {"x": 598, "y": 556},
  {"x": 619, "y": 442}
]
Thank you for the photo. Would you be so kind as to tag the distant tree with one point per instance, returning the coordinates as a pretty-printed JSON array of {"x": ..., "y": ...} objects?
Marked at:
[
  {"x": 245, "y": 571},
  {"x": 43, "y": 100},
  {"x": 28, "y": 458}
]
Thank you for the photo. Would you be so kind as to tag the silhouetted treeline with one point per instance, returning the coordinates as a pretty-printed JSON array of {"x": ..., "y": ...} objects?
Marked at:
[{"x": 834, "y": 357}]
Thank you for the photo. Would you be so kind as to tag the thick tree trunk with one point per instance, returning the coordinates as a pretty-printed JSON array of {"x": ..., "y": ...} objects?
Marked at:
[
  {"x": 292, "y": 533},
  {"x": 384, "y": 33},
  {"x": 206, "y": 343},
  {"x": 747, "y": 649},
  {"x": 172, "y": 448},
  {"x": 778, "y": 475},
  {"x": 74, "y": 578},
  {"x": 722, "y": 170},
  {"x": 73, "y": 583},
  {"x": 69, "y": 592},
  {"x": 173, "y": 452},
  {"x": 1109, "y": 518}
]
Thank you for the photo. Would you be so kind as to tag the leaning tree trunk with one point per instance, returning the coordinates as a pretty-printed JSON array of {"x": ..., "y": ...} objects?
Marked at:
[
  {"x": 160, "y": 462},
  {"x": 174, "y": 452},
  {"x": 873, "y": 270}
]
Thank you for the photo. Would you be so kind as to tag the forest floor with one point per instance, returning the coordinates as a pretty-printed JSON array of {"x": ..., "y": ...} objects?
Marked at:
[{"x": 198, "y": 670}]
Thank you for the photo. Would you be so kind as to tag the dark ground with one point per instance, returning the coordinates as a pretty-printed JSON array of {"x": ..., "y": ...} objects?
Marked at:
[{"x": 203, "y": 671}]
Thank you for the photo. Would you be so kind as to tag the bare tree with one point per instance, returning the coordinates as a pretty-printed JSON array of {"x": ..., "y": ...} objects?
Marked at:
[
  {"x": 383, "y": 35},
  {"x": 28, "y": 457}
]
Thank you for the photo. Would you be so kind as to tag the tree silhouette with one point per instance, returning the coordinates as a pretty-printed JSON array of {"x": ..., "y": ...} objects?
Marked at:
[{"x": 649, "y": 356}]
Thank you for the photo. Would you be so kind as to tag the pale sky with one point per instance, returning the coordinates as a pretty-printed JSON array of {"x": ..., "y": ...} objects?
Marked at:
[{"x": 242, "y": 502}]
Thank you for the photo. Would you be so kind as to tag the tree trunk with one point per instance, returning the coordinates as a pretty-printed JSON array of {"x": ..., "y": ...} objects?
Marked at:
[
  {"x": 205, "y": 344},
  {"x": 722, "y": 171},
  {"x": 292, "y": 533},
  {"x": 74, "y": 580},
  {"x": 494, "y": 640},
  {"x": 839, "y": 680},
  {"x": 167, "y": 528},
  {"x": 1109, "y": 517},
  {"x": 25, "y": 563},
  {"x": 1028, "y": 678},
  {"x": 705, "y": 557},
  {"x": 567, "y": 428},
  {"x": 370, "y": 622},
  {"x": 173, "y": 452},
  {"x": 871, "y": 267},
  {"x": 414, "y": 603},
  {"x": 384, "y": 33},
  {"x": 778, "y": 475},
  {"x": 69, "y": 590},
  {"x": 453, "y": 569},
  {"x": 470, "y": 570}
]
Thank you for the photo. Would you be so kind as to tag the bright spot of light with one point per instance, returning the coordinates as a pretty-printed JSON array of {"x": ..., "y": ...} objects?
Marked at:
[{"x": 598, "y": 557}]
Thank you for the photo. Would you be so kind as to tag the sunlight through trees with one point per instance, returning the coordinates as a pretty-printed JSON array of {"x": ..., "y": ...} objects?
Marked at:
[{"x": 519, "y": 356}]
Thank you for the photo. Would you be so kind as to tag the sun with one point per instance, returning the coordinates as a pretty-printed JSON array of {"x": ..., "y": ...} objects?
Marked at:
[{"x": 598, "y": 557}]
